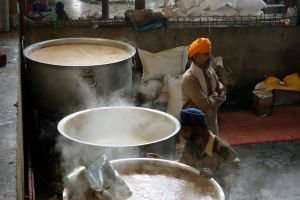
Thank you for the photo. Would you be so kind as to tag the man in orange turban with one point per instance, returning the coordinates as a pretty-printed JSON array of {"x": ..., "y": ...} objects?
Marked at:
[
  {"x": 200, "y": 84},
  {"x": 201, "y": 45}
]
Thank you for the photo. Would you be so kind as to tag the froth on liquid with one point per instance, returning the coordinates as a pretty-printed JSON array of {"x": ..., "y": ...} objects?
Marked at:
[
  {"x": 163, "y": 187},
  {"x": 79, "y": 54},
  {"x": 154, "y": 187}
]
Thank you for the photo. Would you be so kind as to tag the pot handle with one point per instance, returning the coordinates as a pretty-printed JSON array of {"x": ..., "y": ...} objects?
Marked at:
[
  {"x": 87, "y": 78},
  {"x": 152, "y": 155}
]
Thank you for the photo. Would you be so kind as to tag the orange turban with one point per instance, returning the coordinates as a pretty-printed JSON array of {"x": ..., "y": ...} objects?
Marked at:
[{"x": 201, "y": 45}]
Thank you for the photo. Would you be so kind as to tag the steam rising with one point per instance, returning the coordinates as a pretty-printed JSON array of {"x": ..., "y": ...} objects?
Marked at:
[
  {"x": 110, "y": 129},
  {"x": 119, "y": 126},
  {"x": 257, "y": 183},
  {"x": 269, "y": 172},
  {"x": 73, "y": 154},
  {"x": 257, "y": 180},
  {"x": 114, "y": 132}
]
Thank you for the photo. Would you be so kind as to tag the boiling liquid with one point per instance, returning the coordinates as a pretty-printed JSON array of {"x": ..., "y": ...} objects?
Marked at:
[
  {"x": 79, "y": 54},
  {"x": 162, "y": 187}
]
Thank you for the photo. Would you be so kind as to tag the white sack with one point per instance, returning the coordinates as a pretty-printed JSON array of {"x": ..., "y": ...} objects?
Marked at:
[
  {"x": 250, "y": 4},
  {"x": 250, "y": 12},
  {"x": 224, "y": 11},
  {"x": 184, "y": 5},
  {"x": 217, "y": 4}
]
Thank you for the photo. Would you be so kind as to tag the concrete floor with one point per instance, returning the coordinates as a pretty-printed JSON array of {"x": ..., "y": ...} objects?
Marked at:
[
  {"x": 269, "y": 172},
  {"x": 8, "y": 115}
]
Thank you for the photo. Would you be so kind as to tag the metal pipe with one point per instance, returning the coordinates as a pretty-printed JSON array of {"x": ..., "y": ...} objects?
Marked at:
[{"x": 30, "y": 178}]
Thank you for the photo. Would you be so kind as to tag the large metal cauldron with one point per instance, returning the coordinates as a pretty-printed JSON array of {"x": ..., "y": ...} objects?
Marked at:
[
  {"x": 59, "y": 88},
  {"x": 191, "y": 181},
  {"x": 117, "y": 132}
]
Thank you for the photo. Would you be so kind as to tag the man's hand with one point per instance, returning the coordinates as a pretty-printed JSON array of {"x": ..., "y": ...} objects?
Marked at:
[
  {"x": 220, "y": 100},
  {"x": 222, "y": 96},
  {"x": 212, "y": 99}
]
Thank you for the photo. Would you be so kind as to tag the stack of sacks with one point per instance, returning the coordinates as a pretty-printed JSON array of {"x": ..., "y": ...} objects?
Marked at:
[
  {"x": 195, "y": 8},
  {"x": 250, "y": 7},
  {"x": 161, "y": 77}
]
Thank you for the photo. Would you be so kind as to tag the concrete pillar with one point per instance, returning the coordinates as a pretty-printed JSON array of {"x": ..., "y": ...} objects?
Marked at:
[
  {"x": 139, "y": 4},
  {"x": 13, "y": 13},
  {"x": 105, "y": 9},
  {"x": 298, "y": 9},
  {"x": 298, "y": 5},
  {"x": 13, "y": 10},
  {"x": 4, "y": 15}
]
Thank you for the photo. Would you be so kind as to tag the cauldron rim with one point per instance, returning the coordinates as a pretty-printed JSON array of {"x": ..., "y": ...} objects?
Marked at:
[
  {"x": 77, "y": 40},
  {"x": 62, "y": 122}
]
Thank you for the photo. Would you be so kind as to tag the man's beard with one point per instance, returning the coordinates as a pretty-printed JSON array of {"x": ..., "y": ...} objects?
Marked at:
[{"x": 207, "y": 64}]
